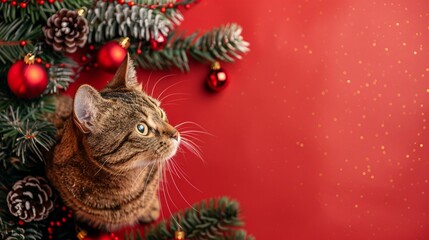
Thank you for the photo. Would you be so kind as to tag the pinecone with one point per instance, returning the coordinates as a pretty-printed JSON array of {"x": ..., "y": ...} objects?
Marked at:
[
  {"x": 66, "y": 30},
  {"x": 30, "y": 199}
]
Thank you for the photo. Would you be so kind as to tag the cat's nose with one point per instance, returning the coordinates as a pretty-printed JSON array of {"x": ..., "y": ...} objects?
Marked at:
[{"x": 175, "y": 135}]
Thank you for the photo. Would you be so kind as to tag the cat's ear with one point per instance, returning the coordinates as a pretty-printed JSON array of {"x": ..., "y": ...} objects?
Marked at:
[
  {"x": 125, "y": 76},
  {"x": 86, "y": 103}
]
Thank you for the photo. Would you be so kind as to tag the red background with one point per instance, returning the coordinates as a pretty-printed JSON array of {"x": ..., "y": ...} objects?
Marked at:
[{"x": 322, "y": 132}]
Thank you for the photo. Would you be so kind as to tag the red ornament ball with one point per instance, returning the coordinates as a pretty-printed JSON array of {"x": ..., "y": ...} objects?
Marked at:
[
  {"x": 27, "y": 80},
  {"x": 110, "y": 56},
  {"x": 158, "y": 43},
  {"x": 23, "y": 4},
  {"x": 23, "y": 43},
  {"x": 217, "y": 80}
]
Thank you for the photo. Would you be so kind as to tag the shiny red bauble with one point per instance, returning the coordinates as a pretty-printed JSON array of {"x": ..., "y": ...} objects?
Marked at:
[
  {"x": 158, "y": 43},
  {"x": 217, "y": 80},
  {"x": 27, "y": 80},
  {"x": 110, "y": 56}
]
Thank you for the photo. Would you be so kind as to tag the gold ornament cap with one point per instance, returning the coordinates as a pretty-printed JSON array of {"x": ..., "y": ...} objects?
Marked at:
[
  {"x": 82, "y": 234},
  {"x": 179, "y": 235},
  {"x": 125, "y": 42},
  {"x": 81, "y": 11},
  {"x": 29, "y": 58},
  {"x": 215, "y": 65}
]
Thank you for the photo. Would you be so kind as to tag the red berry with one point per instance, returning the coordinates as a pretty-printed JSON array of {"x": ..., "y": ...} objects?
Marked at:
[
  {"x": 13, "y": 3},
  {"x": 21, "y": 223},
  {"x": 47, "y": 65},
  {"x": 52, "y": 223},
  {"x": 170, "y": 5},
  {"x": 139, "y": 51},
  {"x": 50, "y": 230},
  {"x": 163, "y": 9},
  {"x": 22, "y": 43},
  {"x": 121, "y": 1},
  {"x": 64, "y": 219},
  {"x": 41, "y": 2},
  {"x": 187, "y": 6},
  {"x": 64, "y": 208},
  {"x": 84, "y": 58},
  {"x": 3, "y": 1},
  {"x": 152, "y": 6},
  {"x": 59, "y": 224},
  {"x": 91, "y": 47},
  {"x": 23, "y": 4},
  {"x": 131, "y": 3},
  {"x": 51, "y": 1}
]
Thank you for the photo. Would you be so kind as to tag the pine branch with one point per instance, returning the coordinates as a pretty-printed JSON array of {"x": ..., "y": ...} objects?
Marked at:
[
  {"x": 37, "y": 12},
  {"x": 25, "y": 135},
  {"x": 174, "y": 55},
  {"x": 216, "y": 220},
  {"x": 224, "y": 43},
  {"x": 112, "y": 20},
  {"x": 11, "y": 34}
]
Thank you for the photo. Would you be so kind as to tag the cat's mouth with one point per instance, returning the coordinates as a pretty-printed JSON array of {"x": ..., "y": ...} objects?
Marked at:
[{"x": 167, "y": 151}]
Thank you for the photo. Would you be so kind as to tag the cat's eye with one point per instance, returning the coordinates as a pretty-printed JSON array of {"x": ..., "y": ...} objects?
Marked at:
[{"x": 143, "y": 129}]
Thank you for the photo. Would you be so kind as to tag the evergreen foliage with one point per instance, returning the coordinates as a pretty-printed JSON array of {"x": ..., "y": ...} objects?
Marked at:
[
  {"x": 212, "y": 219},
  {"x": 26, "y": 135}
]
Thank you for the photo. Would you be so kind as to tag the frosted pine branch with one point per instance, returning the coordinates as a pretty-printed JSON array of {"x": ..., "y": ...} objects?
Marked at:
[
  {"x": 111, "y": 20},
  {"x": 224, "y": 43}
]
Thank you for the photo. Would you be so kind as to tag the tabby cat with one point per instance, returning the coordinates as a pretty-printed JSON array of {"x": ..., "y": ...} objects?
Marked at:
[{"x": 106, "y": 165}]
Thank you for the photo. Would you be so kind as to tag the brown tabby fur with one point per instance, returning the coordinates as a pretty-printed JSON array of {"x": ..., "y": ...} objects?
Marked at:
[{"x": 103, "y": 167}]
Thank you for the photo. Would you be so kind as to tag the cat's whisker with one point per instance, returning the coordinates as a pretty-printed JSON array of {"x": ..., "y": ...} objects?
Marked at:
[
  {"x": 178, "y": 190},
  {"x": 169, "y": 210},
  {"x": 189, "y": 141},
  {"x": 159, "y": 80},
  {"x": 191, "y": 123},
  {"x": 196, "y": 131},
  {"x": 179, "y": 172},
  {"x": 193, "y": 149},
  {"x": 147, "y": 178},
  {"x": 191, "y": 136},
  {"x": 139, "y": 174},
  {"x": 148, "y": 80},
  {"x": 172, "y": 85},
  {"x": 173, "y": 94}
]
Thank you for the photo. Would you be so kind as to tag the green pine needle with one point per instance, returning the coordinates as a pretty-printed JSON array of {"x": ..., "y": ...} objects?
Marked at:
[
  {"x": 37, "y": 12},
  {"x": 109, "y": 21},
  {"x": 215, "y": 219},
  {"x": 10, "y": 36},
  {"x": 26, "y": 136},
  {"x": 221, "y": 44}
]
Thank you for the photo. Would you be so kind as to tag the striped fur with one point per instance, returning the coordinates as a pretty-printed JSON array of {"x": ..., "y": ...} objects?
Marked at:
[{"x": 103, "y": 167}]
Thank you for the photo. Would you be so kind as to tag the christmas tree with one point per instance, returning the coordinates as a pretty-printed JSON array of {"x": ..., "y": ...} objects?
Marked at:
[{"x": 37, "y": 37}]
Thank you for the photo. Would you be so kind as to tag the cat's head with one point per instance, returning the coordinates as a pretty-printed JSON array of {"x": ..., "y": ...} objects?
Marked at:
[{"x": 122, "y": 125}]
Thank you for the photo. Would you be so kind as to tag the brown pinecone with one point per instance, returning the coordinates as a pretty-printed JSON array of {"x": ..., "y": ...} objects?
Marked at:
[
  {"x": 30, "y": 199},
  {"x": 66, "y": 30}
]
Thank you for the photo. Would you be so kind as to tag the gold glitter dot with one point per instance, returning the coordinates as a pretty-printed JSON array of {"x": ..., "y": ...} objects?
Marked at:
[
  {"x": 356, "y": 206},
  {"x": 421, "y": 145}
]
